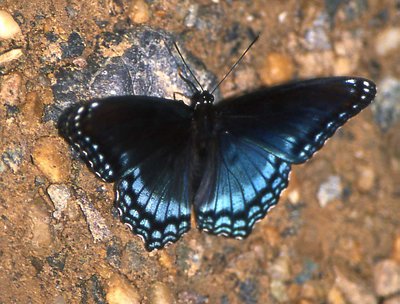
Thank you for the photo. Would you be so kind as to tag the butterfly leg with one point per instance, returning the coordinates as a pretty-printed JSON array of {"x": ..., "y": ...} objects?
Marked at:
[{"x": 181, "y": 94}]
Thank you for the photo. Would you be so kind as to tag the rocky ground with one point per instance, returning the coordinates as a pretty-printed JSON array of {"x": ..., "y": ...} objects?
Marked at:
[{"x": 333, "y": 238}]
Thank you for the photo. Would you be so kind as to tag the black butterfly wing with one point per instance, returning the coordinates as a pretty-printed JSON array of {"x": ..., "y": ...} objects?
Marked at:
[
  {"x": 258, "y": 136},
  {"x": 293, "y": 121},
  {"x": 241, "y": 182},
  {"x": 143, "y": 143}
]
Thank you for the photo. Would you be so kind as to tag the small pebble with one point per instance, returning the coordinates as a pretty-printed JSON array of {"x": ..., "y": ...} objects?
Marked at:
[
  {"x": 59, "y": 300},
  {"x": 167, "y": 261},
  {"x": 133, "y": 258},
  {"x": 279, "y": 291},
  {"x": 59, "y": 195},
  {"x": 32, "y": 109},
  {"x": 311, "y": 290},
  {"x": 393, "y": 300},
  {"x": 347, "y": 54},
  {"x": 191, "y": 17},
  {"x": 114, "y": 252},
  {"x": 74, "y": 47},
  {"x": 51, "y": 157},
  {"x": 120, "y": 291},
  {"x": 366, "y": 179},
  {"x": 13, "y": 158},
  {"x": 139, "y": 11},
  {"x": 354, "y": 293},
  {"x": 348, "y": 46},
  {"x": 8, "y": 27},
  {"x": 316, "y": 35},
  {"x": 39, "y": 224},
  {"x": 161, "y": 294},
  {"x": 280, "y": 268},
  {"x": 10, "y": 92},
  {"x": 330, "y": 190},
  {"x": 97, "y": 224},
  {"x": 387, "y": 278},
  {"x": 10, "y": 56},
  {"x": 57, "y": 260},
  {"x": 93, "y": 290},
  {"x": 80, "y": 62},
  {"x": 309, "y": 270},
  {"x": 294, "y": 196},
  {"x": 53, "y": 52},
  {"x": 248, "y": 291},
  {"x": 349, "y": 249},
  {"x": 277, "y": 68},
  {"x": 387, "y": 41},
  {"x": 195, "y": 258},
  {"x": 335, "y": 296},
  {"x": 386, "y": 107}
]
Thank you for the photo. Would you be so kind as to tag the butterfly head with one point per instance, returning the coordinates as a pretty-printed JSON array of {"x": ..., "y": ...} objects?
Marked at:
[{"x": 202, "y": 97}]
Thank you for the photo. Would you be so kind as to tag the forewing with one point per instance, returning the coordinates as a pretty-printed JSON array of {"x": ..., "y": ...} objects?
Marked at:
[
  {"x": 241, "y": 182},
  {"x": 117, "y": 133},
  {"x": 293, "y": 121},
  {"x": 143, "y": 143}
]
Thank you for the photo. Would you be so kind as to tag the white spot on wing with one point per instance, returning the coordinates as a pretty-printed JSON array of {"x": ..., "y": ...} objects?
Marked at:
[{"x": 130, "y": 227}]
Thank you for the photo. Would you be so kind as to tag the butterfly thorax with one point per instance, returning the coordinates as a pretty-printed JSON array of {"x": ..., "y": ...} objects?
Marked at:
[{"x": 203, "y": 121}]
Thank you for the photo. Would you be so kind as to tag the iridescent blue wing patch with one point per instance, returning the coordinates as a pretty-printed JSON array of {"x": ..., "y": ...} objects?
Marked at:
[
  {"x": 153, "y": 199},
  {"x": 143, "y": 143},
  {"x": 294, "y": 120},
  {"x": 241, "y": 182}
]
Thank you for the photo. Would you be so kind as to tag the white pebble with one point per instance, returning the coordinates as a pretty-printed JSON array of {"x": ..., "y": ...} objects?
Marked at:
[
  {"x": 330, "y": 190},
  {"x": 121, "y": 291},
  {"x": 10, "y": 56},
  {"x": 8, "y": 27},
  {"x": 59, "y": 195},
  {"x": 387, "y": 41},
  {"x": 387, "y": 278}
]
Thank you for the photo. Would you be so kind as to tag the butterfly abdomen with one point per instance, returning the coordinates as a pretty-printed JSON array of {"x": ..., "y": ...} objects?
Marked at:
[{"x": 203, "y": 125}]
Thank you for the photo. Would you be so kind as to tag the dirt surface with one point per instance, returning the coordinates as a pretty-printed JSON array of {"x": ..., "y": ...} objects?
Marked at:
[{"x": 334, "y": 236}]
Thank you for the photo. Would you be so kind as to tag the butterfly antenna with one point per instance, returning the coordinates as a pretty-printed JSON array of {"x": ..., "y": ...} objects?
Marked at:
[
  {"x": 236, "y": 63},
  {"x": 187, "y": 66},
  {"x": 188, "y": 82}
]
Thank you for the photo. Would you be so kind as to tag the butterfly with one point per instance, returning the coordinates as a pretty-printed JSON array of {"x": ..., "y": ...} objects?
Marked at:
[{"x": 228, "y": 161}]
